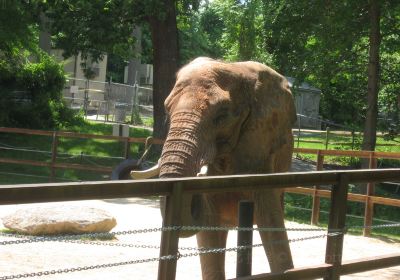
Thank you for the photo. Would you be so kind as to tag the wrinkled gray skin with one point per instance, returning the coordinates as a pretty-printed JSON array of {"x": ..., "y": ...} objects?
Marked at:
[{"x": 237, "y": 118}]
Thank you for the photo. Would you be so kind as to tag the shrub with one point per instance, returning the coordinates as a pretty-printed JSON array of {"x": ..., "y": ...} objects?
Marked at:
[{"x": 31, "y": 92}]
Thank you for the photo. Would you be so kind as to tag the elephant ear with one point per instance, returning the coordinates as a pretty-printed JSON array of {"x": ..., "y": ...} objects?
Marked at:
[{"x": 267, "y": 134}]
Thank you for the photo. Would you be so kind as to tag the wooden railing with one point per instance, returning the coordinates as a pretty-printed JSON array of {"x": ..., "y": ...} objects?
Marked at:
[
  {"x": 53, "y": 164},
  {"x": 328, "y": 133},
  {"x": 369, "y": 199},
  {"x": 174, "y": 189}
]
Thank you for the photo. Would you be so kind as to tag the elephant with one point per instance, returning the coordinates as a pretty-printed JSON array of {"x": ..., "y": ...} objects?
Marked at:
[{"x": 229, "y": 118}]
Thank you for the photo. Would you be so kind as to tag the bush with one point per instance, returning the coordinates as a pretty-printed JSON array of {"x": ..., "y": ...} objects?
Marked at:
[{"x": 31, "y": 92}]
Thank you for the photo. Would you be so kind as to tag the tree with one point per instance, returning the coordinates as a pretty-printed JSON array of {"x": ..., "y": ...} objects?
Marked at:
[
  {"x": 235, "y": 29},
  {"x": 369, "y": 139},
  {"x": 31, "y": 82},
  {"x": 327, "y": 43},
  {"x": 97, "y": 27},
  {"x": 165, "y": 62}
]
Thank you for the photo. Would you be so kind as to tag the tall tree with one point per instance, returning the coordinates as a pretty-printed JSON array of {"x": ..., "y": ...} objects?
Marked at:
[
  {"x": 369, "y": 139},
  {"x": 334, "y": 44},
  {"x": 165, "y": 62},
  {"x": 94, "y": 28}
]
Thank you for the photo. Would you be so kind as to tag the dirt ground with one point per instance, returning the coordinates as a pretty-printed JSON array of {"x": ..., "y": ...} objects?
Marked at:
[{"x": 142, "y": 213}]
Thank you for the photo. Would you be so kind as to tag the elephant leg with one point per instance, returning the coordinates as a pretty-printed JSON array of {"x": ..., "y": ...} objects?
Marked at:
[
  {"x": 212, "y": 264},
  {"x": 269, "y": 213}
]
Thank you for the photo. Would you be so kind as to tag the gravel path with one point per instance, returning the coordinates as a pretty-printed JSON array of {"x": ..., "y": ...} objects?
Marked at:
[{"x": 143, "y": 213}]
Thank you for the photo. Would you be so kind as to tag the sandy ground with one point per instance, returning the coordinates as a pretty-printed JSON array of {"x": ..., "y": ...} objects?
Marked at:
[{"x": 141, "y": 213}]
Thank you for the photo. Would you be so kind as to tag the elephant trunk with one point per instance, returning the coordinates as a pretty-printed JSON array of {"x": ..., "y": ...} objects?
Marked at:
[{"x": 184, "y": 151}]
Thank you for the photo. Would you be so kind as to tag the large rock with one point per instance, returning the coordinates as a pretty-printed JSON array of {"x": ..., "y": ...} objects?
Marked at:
[{"x": 59, "y": 220}]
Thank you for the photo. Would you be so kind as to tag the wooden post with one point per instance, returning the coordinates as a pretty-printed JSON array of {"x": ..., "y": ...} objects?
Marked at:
[
  {"x": 54, "y": 145},
  {"x": 327, "y": 138},
  {"x": 127, "y": 148},
  {"x": 245, "y": 238},
  {"x": 316, "y": 198},
  {"x": 369, "y": 205},
  {"x": 170, "y": 238},
  {"x": 299, "y": 132},
  {"x": 337, "y": 220}
]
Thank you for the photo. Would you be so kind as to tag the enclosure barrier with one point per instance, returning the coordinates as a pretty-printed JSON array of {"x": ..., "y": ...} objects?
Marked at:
[
  {"x": 329, "y": 133},
  {"x": 174, "y": 189},
  {"x": 369, "y": 199},
  {"x": 53, "y": 164}
]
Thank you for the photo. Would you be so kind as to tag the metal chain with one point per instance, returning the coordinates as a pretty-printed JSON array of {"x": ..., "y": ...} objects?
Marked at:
[
  {"x": 70, "y": 238},
  {"x": 376, "y": 226},
  {"x": 33, "y": 239},
  {"x": 84, "y": 268},
  {"x": 200, "y": 251}
]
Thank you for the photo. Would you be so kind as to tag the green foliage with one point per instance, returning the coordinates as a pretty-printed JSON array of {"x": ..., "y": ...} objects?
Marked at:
[
  {"x": 235, "y": 30},
  {"x": 93, "y": 27},
  {"x": 31, "y": 91},
  {"x": 18, "y": 20}
]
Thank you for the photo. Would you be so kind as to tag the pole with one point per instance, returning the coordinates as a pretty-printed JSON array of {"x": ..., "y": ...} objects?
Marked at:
[
  {"x": 53, "y": 156},
  {"x": 369, "y": 205},
  {"x": 337, "y": 222},
  {"x": 327, "y": 138},
  {"x": 245, "y": 238},
  {"x": 170, "y": 238}
]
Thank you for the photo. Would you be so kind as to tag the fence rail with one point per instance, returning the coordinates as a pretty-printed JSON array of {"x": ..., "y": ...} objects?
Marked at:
[
  {"x": 53, "y": 165},
  {"x": 174, "y": 189},
  {"x": 369, "y": 199}
]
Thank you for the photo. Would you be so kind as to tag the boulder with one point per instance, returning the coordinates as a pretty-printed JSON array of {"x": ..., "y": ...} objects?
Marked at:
[{"x": 59, "y": 220}]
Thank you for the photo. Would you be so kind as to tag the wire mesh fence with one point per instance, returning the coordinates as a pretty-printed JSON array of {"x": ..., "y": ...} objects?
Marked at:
[{"x": 108, "y": 101}]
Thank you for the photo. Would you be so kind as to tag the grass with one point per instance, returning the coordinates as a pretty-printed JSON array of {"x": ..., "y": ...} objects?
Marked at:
[
  {"x": 298, "y": 209},
  {"x": 343, "y": 142}
]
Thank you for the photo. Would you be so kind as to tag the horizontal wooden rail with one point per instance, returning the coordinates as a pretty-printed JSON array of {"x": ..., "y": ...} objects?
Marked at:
[
  {"x": 370, "y": 263},
  {"x": 78, "y": 135},
  {"x": 360, "y": 154},
  {"x": 322, "y": 270},
  {"x": 311, "y": 272},
  {"x": 57, "y": 165},
  {"x": 30, "y": 193},
  {"x": 351, "y": 196}
]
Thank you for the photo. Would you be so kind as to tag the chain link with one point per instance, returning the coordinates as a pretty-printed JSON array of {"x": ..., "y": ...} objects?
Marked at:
[
  {"x": 200, "y": 251},
  {"x": 84, "y": 268},
  {"x": 75, "y": 238}
]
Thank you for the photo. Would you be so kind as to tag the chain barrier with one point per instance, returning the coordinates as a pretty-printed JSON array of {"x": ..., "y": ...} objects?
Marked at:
[
  {"x": 76, "y": 237},
  {"x": 198, "y": 251}
]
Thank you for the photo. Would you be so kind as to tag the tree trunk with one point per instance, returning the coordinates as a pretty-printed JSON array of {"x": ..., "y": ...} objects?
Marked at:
[
  {"x": 165, "y": 53},
  {"x": 134, "y": 63},
  {"x": 369, "y": 139}
]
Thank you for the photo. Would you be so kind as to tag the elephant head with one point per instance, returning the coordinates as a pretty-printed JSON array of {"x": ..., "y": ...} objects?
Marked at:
[{"x": 234, "y": 118}]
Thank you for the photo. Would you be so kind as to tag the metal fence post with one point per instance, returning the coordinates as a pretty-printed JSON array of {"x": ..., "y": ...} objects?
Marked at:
[
  {"x": 337, "y": 222},
  {"x": 245, "y": 238},
  {"x": 135, "y": 104},
  {"x": 86, "y": 98},
  {"x": 170, "y": 238},
  {"x": 53, "y": 156}
]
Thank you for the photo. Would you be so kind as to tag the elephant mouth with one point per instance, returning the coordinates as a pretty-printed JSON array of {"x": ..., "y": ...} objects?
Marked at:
[{"x": 192, "y": 204}]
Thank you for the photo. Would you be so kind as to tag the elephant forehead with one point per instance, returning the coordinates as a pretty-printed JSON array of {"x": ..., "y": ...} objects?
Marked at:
[{"x": 200, "y": 99}]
